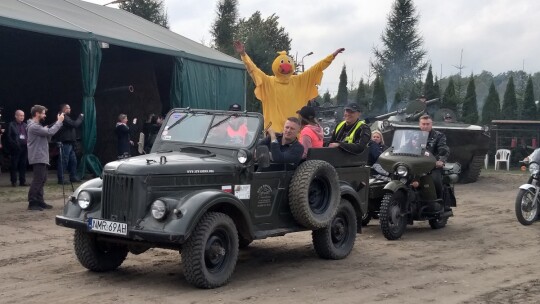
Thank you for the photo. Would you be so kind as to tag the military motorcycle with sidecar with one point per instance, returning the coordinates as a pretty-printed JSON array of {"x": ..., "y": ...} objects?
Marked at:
[{"x": 411, "y": 195}]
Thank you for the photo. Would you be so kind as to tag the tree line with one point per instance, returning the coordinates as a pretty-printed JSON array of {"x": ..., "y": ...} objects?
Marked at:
[{"x": 398, "y": 66}]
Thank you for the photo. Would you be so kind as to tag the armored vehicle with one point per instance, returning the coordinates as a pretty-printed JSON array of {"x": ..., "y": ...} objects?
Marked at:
[
  {"x": 207, "y": 190},
  {"x": 468, "y": 143}
]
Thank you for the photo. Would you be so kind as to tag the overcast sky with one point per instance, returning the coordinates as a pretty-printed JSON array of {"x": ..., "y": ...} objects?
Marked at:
[{"x": 495, "y": 35}]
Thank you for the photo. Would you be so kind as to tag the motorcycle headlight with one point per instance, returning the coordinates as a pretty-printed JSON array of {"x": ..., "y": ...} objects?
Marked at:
[
  {"x": 534, "y": 168},
  {"x": 159, "y": 209},
  {"x": 402, "y": 171},
  {"x": 243, "y": 156},
  {"x": 84, "y": 199}
]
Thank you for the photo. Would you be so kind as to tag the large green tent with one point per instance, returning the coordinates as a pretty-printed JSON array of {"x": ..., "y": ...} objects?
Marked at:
[{"x": 200, "y": 77}]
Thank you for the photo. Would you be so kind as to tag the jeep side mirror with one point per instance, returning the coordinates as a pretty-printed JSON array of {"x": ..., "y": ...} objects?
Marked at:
[{"x": 263, "y": 156}]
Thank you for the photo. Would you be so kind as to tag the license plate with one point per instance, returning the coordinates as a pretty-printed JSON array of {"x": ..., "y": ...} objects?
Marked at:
[{"x": 107, "y": 226}]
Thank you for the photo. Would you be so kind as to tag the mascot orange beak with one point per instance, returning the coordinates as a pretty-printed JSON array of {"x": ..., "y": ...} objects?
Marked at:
[{"x": 285, "y": 68}]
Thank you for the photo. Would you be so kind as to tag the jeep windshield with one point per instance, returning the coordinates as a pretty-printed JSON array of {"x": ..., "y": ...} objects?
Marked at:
[
  {"x": 409, "y": 142},
  {"x": 224, "y": 129}
]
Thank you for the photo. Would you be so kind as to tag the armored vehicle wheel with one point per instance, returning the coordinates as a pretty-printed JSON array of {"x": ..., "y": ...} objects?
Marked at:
[
  {"x": 97, "y": 256},
  {"x": 314, "y": 194},
  {"x": 336, "y": 241},
  {"x": 366, "y": 218},
  {"x": 526, "y": 207},
  {"x": 392, "y": 221},
  {"x": 473, "y": 172},
  {"x": 210, "y": 254},
  {"x": 438, "y": 223}
]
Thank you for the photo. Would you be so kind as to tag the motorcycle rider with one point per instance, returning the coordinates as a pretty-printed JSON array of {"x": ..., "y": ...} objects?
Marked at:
[{"x": 436, "y": 144}]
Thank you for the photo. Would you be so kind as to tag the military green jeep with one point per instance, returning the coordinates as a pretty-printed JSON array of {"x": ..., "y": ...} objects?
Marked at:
[{"x": 207, "y": 189}]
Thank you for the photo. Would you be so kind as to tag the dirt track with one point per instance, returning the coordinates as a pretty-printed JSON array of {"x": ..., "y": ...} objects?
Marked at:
[{"x": 483, "y": 256}]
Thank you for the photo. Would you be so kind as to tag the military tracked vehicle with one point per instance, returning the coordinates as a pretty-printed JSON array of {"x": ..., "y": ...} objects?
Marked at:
[{"x": 468, "y": 143}]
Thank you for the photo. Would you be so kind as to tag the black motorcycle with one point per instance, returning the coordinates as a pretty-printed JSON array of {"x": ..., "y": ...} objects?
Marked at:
[{"x": 527, "y": 197}]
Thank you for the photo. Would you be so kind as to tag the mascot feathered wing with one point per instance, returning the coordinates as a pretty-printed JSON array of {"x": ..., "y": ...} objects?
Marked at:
[{"x": 283, "y": 94}]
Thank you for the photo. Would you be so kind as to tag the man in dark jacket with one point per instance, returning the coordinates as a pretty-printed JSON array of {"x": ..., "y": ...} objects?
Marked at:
[
  {"x": 352, "y": 134},
  {"x": 67, "y": 138},
  {"x": 17, "y": 138},
  {"x": 284, "y": 147},
  {"x": 436, "y": 144}
]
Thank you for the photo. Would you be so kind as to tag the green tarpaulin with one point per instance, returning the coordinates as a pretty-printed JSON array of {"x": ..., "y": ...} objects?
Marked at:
[{"x": 90, "y": 62}]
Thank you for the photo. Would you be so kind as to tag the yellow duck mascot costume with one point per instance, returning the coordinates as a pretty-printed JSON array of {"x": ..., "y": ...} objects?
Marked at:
[{"x": 283, "y": 94}]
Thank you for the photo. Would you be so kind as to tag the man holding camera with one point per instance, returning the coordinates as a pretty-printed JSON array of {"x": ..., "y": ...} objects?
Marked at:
[
  {"x": 66, "y": 139},
  {"x": 38, "y": 154}
]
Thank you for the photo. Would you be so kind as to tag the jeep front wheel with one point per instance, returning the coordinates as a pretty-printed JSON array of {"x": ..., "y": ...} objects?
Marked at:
[
  {"x": 314, "y": 194},
  {"x": 97, "y": 256},
  {"x": 210, "y": 254},
  {"x": 336, "y": 241}
]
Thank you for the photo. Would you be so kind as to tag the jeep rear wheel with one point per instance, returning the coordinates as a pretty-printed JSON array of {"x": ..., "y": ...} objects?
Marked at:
[
  {"x": 97, "y": 256},
  {"x": 336, "y": 241},
  {"x": 210, "y": 254},
  {"x": 314, "y": 194},
  {"x": 391, "y": 217}
]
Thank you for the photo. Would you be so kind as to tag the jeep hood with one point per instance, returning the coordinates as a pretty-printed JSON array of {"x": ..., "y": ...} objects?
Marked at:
[{"x": 171, "y": 163}]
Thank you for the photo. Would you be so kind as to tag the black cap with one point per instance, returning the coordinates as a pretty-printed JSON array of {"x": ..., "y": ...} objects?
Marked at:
[
  {"x": 235, "y": 107},
  {"x": 306, "y": 112},
  {"x": 353, "y": 106}
]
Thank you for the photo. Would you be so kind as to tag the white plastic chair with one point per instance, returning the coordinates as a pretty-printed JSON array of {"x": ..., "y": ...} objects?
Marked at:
[
  {"x": 502, "y": 155},
  {"x": 486, "y": 160}
]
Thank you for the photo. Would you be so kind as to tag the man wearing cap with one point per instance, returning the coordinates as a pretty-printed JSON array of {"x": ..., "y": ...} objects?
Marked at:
[
  {"x": 448, "y": 117},
  {"x": 352, "y": 134},
  {"x": 312, "y": 134}
]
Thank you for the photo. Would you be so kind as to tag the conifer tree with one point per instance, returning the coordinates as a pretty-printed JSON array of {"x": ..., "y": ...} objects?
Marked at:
[
  {"x": 326, "y": 98},
  {"x": 361, "y": 96},
  {"x": 151, "y": 10},
  {"x": 225, "y": 26},
  {"x": 397, "y": 101},
  {"x": 492, "y": 106},
  {"x": 509, "y": 105},
  {"x": 470, "y": 105},
  {"x": 529, "y": 107},
  {"x": 429, "y": 86},
  {"x": 401, "y": 59},
  {"x": 379, "y": 101},
  {"x": 342, "y": 94},
  {"x": 450, "y": 100}
]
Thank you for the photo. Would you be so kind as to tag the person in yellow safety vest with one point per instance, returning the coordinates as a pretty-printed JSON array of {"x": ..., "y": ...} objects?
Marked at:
[{"x": 352, "y": 134}]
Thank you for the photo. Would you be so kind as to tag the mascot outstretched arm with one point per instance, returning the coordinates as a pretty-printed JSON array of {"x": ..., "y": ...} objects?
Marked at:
[{"x": 283, "y": 93}]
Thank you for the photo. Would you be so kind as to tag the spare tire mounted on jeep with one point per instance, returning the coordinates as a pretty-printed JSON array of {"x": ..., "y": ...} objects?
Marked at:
[{"x": 314, "y": 194}]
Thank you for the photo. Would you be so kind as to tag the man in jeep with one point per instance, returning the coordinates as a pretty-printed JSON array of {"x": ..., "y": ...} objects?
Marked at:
[
  {"x": 285, "y": 147},
  {"x": 352, "y": 134}
]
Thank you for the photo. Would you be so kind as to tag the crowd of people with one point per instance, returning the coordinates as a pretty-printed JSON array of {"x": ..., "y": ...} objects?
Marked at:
[{"x": 28, "y": 142}]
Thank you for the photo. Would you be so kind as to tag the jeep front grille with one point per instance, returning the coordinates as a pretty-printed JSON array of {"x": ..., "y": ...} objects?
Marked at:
[{"x": 116, "y": 198}]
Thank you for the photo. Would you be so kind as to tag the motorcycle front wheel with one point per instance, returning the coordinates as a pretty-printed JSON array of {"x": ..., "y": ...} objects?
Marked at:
[
  {"x": 391, "y": 216},
  {"x": 526, "y": 207}
]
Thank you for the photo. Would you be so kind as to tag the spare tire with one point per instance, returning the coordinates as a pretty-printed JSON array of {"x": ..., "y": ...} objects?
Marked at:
[{"x": 314, "y": 194}]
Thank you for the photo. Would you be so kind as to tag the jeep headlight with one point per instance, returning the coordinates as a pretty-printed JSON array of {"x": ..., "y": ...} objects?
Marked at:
[
  {"x": 402, "y": 171},
  {"x": 84, "y": 199},
  {"x": 534, "y": 168},
  {"x": 159, "y": 209},
  {"x": 242, "y": 156}
]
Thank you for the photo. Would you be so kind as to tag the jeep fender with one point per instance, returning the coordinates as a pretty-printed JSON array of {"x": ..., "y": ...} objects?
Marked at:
[
  {"x": 195, "y": 204},
  {"x": 360, "y": 206},
  {"x": 72, "y": 210},
  {"x": 394, "y": 186}
]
